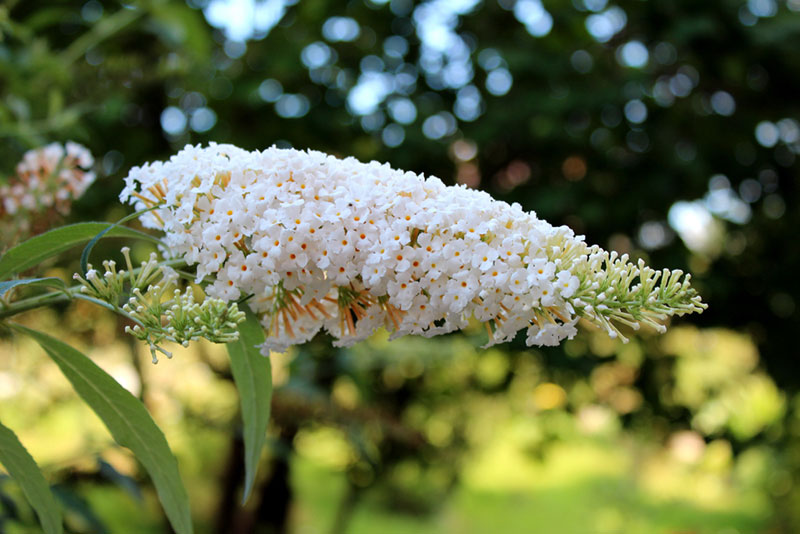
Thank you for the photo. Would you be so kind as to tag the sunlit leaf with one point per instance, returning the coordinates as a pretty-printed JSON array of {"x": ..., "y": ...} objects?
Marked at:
[
  {"x": 39, "y": 248},
  {"x": 253, "y": 376},
  {"x": 24, "y": 470},
  {"x": 35, "y": 282},
  {"x": 128, "y": 421}
]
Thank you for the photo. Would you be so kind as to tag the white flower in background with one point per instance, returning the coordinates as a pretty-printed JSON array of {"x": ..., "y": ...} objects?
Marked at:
[
  {"x": 50, "y": 177},
  {"x": 321, "y": 242}
]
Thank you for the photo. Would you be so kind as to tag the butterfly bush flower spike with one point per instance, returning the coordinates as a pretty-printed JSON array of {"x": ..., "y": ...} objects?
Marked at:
[
  {"x": 41, "y": 191},
  {"x": 50, "y": 176},
  {"x": 351, "y": 247}
]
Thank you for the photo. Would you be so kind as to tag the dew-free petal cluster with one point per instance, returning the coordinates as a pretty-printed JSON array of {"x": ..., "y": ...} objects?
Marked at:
[
  {"x": 48, "y": 177},
  {"x": 319, "y": 242}
]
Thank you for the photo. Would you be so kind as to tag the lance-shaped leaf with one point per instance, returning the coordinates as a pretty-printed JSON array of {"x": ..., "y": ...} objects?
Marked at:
[
  {"x": 253, "y": 376},
  {"x": 128, "y": 421},
  {"x": 50, "y": 281},
  {"x": 37, "y": 249},
  {"x": 87, "y": 250},
  {"x": 24, "y": 470}
]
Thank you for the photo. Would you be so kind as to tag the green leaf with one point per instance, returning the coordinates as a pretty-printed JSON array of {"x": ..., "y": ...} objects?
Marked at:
[
  {"x": 78, "y": 510},
  {"x": 87, "y": 250},
  {"x": 181, "y": 26},
  {"x": 50, "y": 281},
  {"x": 253, "y": 376},
  {"x": 128, "y": 421},
  {"x": 24, "y": 470},
  {"x": 39, "y": 248},
  {"x": 127, "y": 483}
]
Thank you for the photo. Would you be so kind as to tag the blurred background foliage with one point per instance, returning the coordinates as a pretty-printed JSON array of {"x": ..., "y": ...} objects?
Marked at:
[{"x": 665, "y": 129}]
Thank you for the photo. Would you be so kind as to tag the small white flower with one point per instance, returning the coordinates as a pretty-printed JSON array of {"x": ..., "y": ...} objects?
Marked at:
[
  {"x": 567, "y": 283},
  {"x": 351, "y": 247}
]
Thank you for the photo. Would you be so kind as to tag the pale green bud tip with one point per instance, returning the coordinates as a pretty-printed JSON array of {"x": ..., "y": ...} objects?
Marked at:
[{"x": 616, "y": 292}]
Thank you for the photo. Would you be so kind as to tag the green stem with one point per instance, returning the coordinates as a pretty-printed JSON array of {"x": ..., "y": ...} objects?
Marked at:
[
  {"x": 73, "y": 292},
  {"x": 38, "y": 301},
  {"x": 112, "y": 307}
]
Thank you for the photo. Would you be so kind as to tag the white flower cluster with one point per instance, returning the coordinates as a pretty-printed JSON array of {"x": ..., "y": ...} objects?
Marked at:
[
  {"x": 48, "y": 177},
  {"x": 321, "y": 242}
]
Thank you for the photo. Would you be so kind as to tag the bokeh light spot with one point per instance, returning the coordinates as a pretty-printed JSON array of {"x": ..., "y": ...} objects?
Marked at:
[
  {"x": 173, "y": 120},
  {"x": 574, "y": 168},
  {"x": 595, "y": 5},
  {"x": 402, "y": 110},
  {"x": 92, "y": 11},
  {"x": 774, "y": 206},
  {"x": 635, "y": 111},
  {"x": 291, "y": 106},
  {"x": 316, "y": 55},
  {"x": 393, "y": 135},
  {"x": 789, "y": 130},
  {"x": 270, "y": 90},
  {"x": 464, "y": 150},
  {"x": 654, "y": 235},
  {"x": 340, "y": 29},
  {"x": 438, "y": 126},
  {"x": 469, "y": 104},
  {"x": 633, "y": 54},
  {"x": 723, "y": 103},
  {"x": 499, "y": 82},
  {"x": 750, "y": 190},
  {"x": 762, "y": 8},
  {"x": 767, "y": 134},
  {"x": 694, "y": 224},
  {"x": 603, "y": 26},
  {"x": 370, "y": 91},
  {"x": 538, "y": 22},
  {"x": 245, "y": 19},
  {"x": 203, "y": 119},
  {"x": 490, "y": 59},
  {"x": 549, "y": 396}
]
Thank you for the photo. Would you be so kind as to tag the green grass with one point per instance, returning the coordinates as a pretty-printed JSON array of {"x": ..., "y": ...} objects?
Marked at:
[
  {"x": 575, "y": 488},
  {"x": 602, "y": 500}
]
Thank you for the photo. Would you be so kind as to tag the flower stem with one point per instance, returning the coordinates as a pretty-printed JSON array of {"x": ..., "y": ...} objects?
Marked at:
[{"x": 73, "y": 292}]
